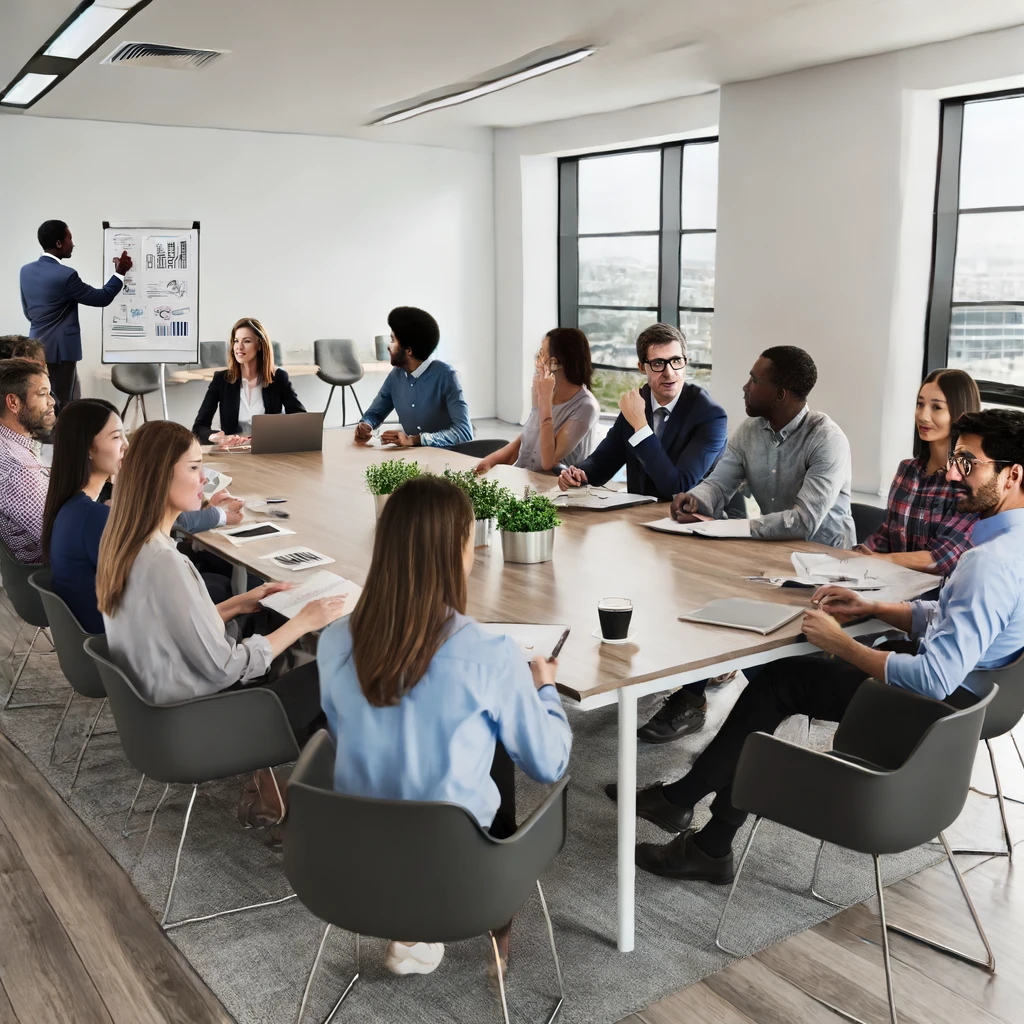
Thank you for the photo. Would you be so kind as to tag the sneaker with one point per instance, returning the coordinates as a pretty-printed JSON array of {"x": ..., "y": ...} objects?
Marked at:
[
  {"x": 678, "y": 716},
  {"x": 422, "y": 958}
]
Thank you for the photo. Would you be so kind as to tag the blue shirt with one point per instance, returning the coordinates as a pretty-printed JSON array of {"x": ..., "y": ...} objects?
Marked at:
[
  {"x": 978, "y": 620},
  {"x": 75, "y": 547},
  {"x": 74, "y": 550},
  {"x": 429, "y": 402},
  {"x": 438, "y": 742}
]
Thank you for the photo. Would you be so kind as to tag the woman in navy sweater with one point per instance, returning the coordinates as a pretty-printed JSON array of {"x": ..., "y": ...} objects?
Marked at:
[{"x": 250, "y": 386}]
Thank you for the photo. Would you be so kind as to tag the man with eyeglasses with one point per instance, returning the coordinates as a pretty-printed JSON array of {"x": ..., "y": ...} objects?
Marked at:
[
  {"x": 668, "y": 433},
  {"x": 977, "y": 623},
  {"x": 797, "y": 466}
]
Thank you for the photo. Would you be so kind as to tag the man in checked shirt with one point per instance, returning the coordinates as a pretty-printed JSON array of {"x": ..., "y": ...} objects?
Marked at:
[{"x": 26, "y": 414}]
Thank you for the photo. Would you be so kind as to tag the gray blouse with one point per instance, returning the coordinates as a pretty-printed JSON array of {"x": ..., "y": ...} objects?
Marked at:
[
  {"x": 168, "y": 635},
  {"x": 581, "y": 413}
]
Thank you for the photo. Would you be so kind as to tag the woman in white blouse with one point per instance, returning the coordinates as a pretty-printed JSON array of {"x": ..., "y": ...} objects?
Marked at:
[
  {"x": 250, "y": 386},
  {"x": 162, "y": 627}
]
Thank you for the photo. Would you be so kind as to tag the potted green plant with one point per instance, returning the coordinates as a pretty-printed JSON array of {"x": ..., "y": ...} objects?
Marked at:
[
  {"x": 384, "y": 478},
  {"x": 487, "y": 497},
  {"x": 527, "y": 526}
]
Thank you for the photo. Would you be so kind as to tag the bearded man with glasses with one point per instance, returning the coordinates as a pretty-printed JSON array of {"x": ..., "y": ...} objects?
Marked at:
[{"x": 668, "y": 433}]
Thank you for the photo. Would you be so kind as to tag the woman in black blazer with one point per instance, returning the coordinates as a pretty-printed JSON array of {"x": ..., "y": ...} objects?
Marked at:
[{"x": 251, "y": 385}]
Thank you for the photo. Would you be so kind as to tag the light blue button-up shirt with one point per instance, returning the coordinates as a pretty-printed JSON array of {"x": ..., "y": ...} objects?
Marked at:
[
  {"x": 438, "y": 742},
  {"x": 978, "y": 620},
  {"x": 429, "y": 402}
]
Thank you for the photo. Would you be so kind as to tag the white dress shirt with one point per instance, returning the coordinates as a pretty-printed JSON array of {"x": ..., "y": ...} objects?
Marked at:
[
  {"x": 250, "y": 403},
  {"x": 645, "y": 431}
]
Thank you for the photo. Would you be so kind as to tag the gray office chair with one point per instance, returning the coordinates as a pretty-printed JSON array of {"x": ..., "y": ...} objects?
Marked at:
[
  {"x": 213, "y": 353},
  {"x": 340, "y": 366},
  {"x": 135, "y": 380},
  {"x": 275, "y": 347},
  {"x": 479, "y": 449},
  {"x": 866, "y": 519},
  {"x": 461, "y": 884},
  {"x": 897, "y": 776},
  {"x": 1004, "y": 713},
  {"x": 195, "y": 741},
  {"x": 15, "y": 576},
  {"x": 78, "y": 668}
]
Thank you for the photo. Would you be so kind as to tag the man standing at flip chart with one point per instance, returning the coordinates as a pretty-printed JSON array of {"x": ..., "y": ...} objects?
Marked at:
[{"x": 50, "y": 296}]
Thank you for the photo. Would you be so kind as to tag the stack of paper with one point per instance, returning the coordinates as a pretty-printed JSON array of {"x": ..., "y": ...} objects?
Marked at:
[
  {"x": 716, "y": 528},
  {"x": 321, "y": 584}
]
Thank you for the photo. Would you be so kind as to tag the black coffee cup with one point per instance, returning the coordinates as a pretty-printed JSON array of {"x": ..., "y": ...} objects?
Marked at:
[{"x": 615, "y": 614}]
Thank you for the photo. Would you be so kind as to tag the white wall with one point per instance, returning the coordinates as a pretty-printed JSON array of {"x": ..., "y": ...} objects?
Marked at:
[
  {"x": 826, "y": 186},
  {"x": 317, "y": 237}
]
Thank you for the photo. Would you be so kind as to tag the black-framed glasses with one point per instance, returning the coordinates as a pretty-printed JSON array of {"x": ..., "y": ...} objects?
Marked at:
[
  {"x": 658, "y": 365},
  {"x": 965, "y": 463}
]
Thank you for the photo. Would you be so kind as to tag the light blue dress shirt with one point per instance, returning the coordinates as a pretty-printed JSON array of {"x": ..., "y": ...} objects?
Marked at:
[
  {"x": 438, "y": 742},
  {"x": 429, "y": 402},
  {"x": 978, "y": 620}
]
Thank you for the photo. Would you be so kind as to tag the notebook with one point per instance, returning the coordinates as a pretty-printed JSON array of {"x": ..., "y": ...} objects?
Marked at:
[
  {"x": 762, "y": 617},
  {"x": 599, "y": 500}
]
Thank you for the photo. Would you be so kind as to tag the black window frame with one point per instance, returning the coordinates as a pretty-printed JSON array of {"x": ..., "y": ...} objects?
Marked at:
[
  {"x": 670, "y": 231},
  {"x": 946, "y": 221}
]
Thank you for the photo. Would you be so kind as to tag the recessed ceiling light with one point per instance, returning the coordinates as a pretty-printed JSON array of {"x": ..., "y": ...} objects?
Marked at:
[
  {"x": 26, "y": 89},
  {"x": 91, "y": 25},
  {"x": 488, "y": 87}
]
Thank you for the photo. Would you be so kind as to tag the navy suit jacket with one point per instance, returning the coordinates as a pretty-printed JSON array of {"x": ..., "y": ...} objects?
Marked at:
[
  {"x": 694, "y": 437},
  {"x": 50, "y": 295},
  {"x": 278, "y": 396}
]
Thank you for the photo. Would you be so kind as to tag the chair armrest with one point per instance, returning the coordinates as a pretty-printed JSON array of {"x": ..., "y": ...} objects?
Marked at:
[
  {"x": 883, "y": 724},
  {"x": 315, "y": 766},
  {"x": 539, "y": 840}
]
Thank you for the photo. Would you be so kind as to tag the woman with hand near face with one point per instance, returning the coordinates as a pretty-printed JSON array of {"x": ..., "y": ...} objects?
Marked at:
[
  {"x": 250, "y": 386},
  {"x": 561, "y": 427},
  {"x": 923, "y": 529}
]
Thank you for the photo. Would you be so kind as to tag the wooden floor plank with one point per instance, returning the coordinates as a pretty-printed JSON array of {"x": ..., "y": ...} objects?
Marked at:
[
  {"x": 696, "y": 1003},
  {"x": 7, "y": 1014},
  {"x": 140, "y": 975},
  {"x": 42, "y": 975}
]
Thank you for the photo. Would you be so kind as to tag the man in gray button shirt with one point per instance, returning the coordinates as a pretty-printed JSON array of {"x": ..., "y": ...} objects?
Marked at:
[{"x": 797, "y": 466}]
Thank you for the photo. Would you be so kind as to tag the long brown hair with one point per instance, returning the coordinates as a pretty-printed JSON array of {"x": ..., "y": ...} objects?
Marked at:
[
  {"x": 265, "y": 368},
  {"x": 139, "y": 504},
  {"x": 570, "y": 347},
  {"x": 415, "y": 582},
  {"x": 961, "y": 395}
]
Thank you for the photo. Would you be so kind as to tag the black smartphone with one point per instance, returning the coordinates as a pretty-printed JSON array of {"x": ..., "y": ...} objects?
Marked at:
[{"x": 257, "y": 531}]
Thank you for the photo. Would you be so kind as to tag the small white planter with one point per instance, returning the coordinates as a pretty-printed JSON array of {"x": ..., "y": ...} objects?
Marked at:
[
  {"x": 528, "y": 547},
  {"x": 379, "y": 501},
  {"x": 484, "y": 533}
]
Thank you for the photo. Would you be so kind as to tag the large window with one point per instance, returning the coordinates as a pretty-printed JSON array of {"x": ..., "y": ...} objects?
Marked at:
[
  {"x": 636, "y": 245},
  {"x": 976, "y": 317}
]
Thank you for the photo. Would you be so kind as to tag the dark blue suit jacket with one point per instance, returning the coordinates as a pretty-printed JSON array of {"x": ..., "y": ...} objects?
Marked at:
[
  {"x": 278, "y": 396},
  {"x": 50, "y": 296},
  {"x": 694, "y": 436}
]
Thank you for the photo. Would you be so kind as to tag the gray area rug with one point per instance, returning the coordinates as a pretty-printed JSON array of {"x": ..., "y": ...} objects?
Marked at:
[{"x": 257, "y": 962}]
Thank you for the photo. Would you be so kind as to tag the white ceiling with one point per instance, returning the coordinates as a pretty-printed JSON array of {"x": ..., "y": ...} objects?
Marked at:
[{"x": 326, "y": 66}]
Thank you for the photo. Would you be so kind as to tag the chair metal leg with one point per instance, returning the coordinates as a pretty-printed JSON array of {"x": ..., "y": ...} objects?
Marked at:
[
  {"x": 1002, "y": 798},
  {"x": 142, "y": 403},
  {"x": 124, "y": 411},
  {"x": 309, "y": 980},
  {"x": 8, "y": 706},
  {"x": 990, "y": 962},
  {"x": 164, "y": 923},
  {"x": 344, "y": 412},
  {"x": 886, "y": 955},
  {"x": 14, "y": 643},
  {"x": 356, "y": 397},
  {"x": 152, "y": 818},
  {"x": 131, "y": 810},
  {"x": 554, "y": 953},
  {"x": 330, "y": 395},
  {"x": 501, "y": 978},
  {"x": 81, "y": 753},
  {"x": 814, "y": 883},
  {"x": 732, "y": 891},
  {"x": 67, "y": 708}
]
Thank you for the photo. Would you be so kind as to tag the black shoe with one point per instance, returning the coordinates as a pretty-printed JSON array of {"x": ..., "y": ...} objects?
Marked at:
[
  {"x": 653, "y": 806},
  {"x": 679, "y": 716},
  {"x": 683, "y": 858}
]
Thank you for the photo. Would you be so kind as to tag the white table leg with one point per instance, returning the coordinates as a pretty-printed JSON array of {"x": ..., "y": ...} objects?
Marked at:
[
  {"x": 239, "y": 579},
  {"x": 627, "y": 817}
]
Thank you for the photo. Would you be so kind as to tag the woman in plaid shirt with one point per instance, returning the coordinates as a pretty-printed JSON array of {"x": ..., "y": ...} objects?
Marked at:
[{"x": 923, "y": 529}]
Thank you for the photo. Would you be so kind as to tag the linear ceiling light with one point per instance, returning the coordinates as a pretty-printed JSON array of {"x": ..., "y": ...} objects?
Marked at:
[
  {"x": 488, "y": 87},
  {"x": 88, "y": 25},
  {"x": 27, "y": 88}
]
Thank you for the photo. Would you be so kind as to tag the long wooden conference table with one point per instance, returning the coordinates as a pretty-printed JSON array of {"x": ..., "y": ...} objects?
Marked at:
[{"x": 596, "y": 554}]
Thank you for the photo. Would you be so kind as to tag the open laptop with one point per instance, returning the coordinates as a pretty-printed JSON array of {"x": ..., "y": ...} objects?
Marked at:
[{"x": 278, "y": 434}]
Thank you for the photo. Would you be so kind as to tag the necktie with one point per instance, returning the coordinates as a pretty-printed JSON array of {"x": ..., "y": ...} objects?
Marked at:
[{"x": 660, "y": 415}]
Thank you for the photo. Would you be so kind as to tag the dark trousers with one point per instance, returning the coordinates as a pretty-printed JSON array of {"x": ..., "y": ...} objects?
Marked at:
[
  {"x": 817, "y": 685},
  {"x": 298, "y": 689},
  {"x": 503, "y": 771},
  {"x": 62, "y": 380}
]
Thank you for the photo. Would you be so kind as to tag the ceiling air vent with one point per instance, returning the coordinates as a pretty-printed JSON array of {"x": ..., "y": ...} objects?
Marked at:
[{"x": 153, "y": 55}]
